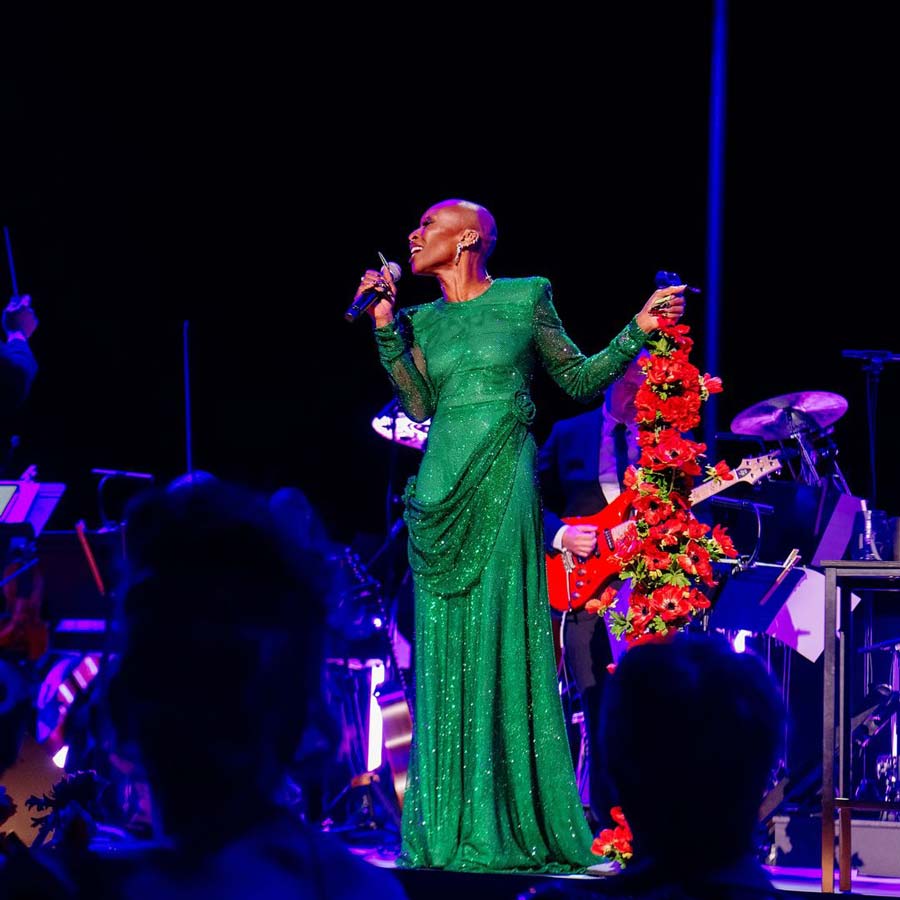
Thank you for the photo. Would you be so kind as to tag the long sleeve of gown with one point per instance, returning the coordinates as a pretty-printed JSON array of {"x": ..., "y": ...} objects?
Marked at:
[
  {"x": 582, "y": 377},
  {"x": 405, "y": 365}
]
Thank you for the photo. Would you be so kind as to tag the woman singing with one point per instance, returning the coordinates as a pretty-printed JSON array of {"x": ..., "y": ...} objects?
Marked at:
[{"x": 491, "y": 782}]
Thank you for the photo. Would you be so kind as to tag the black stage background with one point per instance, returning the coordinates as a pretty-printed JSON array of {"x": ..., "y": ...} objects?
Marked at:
[{"x": 239, "y": 172}]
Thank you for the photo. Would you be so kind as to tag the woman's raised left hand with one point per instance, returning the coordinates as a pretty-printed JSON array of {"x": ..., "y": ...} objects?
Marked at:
[{"x": 664, "y": 307}]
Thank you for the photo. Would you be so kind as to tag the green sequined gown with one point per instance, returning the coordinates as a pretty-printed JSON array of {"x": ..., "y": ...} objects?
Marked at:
[{"x": 491, "y": 783}]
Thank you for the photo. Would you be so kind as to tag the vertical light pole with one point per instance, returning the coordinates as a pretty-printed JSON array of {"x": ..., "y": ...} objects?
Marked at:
[{"x": 714, "y": 210}]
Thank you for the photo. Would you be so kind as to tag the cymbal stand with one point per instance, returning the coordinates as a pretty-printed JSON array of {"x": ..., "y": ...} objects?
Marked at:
[
  {"x": 837, "y": 475},
  {"x": 350, "y": 676},
  {"x": 873, "y": 365},
  {"x": 808, "y": 472}
]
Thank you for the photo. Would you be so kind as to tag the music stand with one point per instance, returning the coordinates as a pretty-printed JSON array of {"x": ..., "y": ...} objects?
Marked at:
[
  {"x": 26, "y": 506},
  {"x": 819, "y": 520},
  {"x": 750, "y": 599}
]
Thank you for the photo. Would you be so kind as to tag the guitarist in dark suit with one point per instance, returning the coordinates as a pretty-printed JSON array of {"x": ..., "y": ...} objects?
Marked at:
[{"x": 580, "y": 467}]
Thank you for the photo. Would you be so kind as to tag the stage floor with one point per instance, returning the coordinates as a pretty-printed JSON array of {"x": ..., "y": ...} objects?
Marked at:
[
  {"x": 434, "y": 885},
  {"x": 809, "y": 881}
]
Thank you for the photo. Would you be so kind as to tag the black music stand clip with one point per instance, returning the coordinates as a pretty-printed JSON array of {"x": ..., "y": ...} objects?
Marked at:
[{"x": 750, "y": 598}]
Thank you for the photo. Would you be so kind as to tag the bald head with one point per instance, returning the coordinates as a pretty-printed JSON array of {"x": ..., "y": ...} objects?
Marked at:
[{"x": 474, "y": 216}]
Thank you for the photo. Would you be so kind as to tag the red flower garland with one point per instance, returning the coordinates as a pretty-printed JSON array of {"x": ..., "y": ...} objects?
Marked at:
[
  {"x": 615, "y": 843},
  {"x": 667, "y": 553}
]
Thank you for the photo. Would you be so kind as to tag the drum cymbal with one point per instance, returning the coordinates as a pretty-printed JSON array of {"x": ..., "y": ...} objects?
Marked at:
[
  {"x": 789, "y": 415},
  {"x": 392, "y": 423}
]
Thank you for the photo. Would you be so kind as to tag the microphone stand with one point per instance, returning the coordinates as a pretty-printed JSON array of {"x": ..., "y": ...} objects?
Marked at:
[
  {"x": 186, "y": 367},
  {"x": 12, "y": 265},
  {"x": 873, "y": 365},
  {"x": 758, "y": 509}
]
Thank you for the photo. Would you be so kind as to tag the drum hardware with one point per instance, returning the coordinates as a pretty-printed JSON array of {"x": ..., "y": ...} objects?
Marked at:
[
  {"x": 392, "y": 423},
  {"x": 879, "y": 706},
  {"x": 791, "y": 414},
  {"x": 393, "y": 534},
  {"x": 887, "y": 776},
  {"x": 132, "y": 481},
  {"x": 350, "y": 681},
  {"x": 372, "y": 696},
  {"x": 868, "y": 547},
  {"x": 800, "y": 417},
  {"x": 355, "y": 610},
  {"x": 886, "y": 708},
  {"x": 357, "y": 616}
]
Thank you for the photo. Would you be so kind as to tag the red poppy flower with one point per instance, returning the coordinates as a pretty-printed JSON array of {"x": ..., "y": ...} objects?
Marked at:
[
  {"x": 615, "y": 843},
  {"x": 681, "y": 412},
  {"x": 652, "y": 508},
  {"x": 671, "y": 602},
  {"x": 695, "y": 529},
  {"x": 698, "y": 599},
  {"x": 694, "y": 555},
  {"x": 721, "y": 470},
  {"x": 627, "y": 546},
  {"x": 640, "y": 614},
  {"x": 713, "y": 385},
  {"x": 655, "y": 557},
  {"x": 603, "y": 602}
]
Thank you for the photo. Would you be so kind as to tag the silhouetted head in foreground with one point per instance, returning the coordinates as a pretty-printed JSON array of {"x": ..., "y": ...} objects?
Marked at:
[
  {"x": 691, "y": 732},
  {"x": 220, "y": 620}
]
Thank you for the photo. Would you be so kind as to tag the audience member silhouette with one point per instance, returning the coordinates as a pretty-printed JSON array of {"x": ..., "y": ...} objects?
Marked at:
[
  {"x": 220, "y": 662},
  {"x": 294, "y": 509},
  {"x": 691, "y": 731}
]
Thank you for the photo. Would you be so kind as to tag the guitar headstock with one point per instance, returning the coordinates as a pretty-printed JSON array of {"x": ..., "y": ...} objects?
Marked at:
[{"x": 753, "y": 469}]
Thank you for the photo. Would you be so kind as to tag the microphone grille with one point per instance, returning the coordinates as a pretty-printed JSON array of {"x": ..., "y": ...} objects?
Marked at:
[
  {"x": 395, "y": 270},
  {"x": 667, "y": 279}
]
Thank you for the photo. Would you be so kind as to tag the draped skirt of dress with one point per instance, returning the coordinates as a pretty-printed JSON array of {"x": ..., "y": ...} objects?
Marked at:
[{"x": 491, "y": 782}]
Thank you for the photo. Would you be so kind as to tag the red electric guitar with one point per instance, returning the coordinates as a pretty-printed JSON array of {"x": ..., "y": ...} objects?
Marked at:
[{"x": 572, "y": 581}]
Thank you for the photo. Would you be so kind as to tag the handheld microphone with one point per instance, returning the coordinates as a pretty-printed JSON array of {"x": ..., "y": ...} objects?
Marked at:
[
  {"x": 670, "y": 279},
  {"x": 370, "y": 298}
]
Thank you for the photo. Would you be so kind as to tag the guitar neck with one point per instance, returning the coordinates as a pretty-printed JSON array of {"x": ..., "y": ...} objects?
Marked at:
[
  {"x": 749, "y": 470},
  {"x": 708, "y": 488}
]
